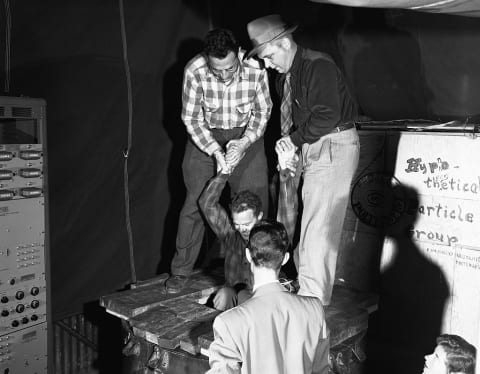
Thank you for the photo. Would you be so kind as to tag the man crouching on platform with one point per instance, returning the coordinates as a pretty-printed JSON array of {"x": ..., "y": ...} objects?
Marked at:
[
  {"x": 275, "y": 331},
  {"x": 246, "y": 211}
]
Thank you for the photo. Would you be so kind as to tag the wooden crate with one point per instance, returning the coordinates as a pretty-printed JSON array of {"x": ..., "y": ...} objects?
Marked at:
[{"x": 174, "y": 323}]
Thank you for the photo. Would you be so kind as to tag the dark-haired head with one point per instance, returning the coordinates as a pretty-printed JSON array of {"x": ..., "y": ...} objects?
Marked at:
[
  {"x": 460, "y": 354},
  {"x": 268, "y": 244},
  {"x": 246, "y": 208},
  {"x": 245, "y": 200},
  {"x": 219, "y": 43}
]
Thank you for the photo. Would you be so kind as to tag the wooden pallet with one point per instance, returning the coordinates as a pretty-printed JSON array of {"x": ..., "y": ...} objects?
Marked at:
[{"x": 183, "y": 321}]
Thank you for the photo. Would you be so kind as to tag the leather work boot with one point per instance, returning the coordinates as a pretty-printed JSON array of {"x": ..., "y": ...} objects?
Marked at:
[{"x": 175, "y": 283}]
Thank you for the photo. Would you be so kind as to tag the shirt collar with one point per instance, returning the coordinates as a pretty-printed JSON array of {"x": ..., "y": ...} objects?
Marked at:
[
  {"x": 296, "y": 61},
  {"x": 242, "y": 71},
  {"x": 258, "y": 285}
]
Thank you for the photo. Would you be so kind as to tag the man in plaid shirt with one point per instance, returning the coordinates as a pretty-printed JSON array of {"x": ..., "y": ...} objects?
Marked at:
[
  {"x": 226, "y": 106},
  {"x": 246, "y": 211}
]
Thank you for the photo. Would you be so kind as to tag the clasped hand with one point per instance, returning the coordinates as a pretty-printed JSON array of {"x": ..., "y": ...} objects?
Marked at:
[
  {"x": 235, "y": 152},
  {"x": 287, "y": 157}
]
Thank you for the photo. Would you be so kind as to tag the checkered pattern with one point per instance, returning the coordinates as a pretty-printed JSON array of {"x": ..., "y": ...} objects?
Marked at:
[
  {"x": 286, "y": 120},
  {"x": 210, "y": 104}
]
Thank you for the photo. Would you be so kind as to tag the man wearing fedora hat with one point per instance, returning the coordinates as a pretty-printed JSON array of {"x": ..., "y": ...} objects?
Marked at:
[
  {"x": 225, "y": 108},
  {"x": 317, "y": 119}
]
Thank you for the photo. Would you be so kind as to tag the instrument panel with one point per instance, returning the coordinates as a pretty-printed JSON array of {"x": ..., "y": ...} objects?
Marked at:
[{"x": 23, "y": 274}]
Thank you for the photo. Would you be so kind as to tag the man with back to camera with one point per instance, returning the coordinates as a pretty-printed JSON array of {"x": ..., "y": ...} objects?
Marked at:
[
  {"x": 317, "y": 118},
  {"x": 452, "y": 355},
  {"x": 246, "y": 211},
  {"x": 275, "y": 331},
  {"x": 226, "y": 104}
]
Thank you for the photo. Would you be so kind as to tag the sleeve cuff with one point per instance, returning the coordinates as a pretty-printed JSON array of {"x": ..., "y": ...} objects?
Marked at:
[
  {"x": 251, "y": 138},
  {"x": 295, "y": 138}
]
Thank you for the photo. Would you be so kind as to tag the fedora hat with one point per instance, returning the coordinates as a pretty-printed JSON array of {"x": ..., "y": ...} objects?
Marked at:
[{"x": 266, "y": 29}]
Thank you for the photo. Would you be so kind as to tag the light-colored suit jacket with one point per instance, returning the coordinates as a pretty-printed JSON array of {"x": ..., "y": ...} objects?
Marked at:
[{"x": 274, "y": 332}]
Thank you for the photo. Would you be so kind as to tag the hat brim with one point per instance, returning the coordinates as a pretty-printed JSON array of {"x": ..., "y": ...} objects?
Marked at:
[{"x": 255, "y": 50}]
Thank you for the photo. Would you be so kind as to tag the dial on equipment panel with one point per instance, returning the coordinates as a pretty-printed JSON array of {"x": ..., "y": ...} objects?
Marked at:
[{"x": 23, "y": 244}]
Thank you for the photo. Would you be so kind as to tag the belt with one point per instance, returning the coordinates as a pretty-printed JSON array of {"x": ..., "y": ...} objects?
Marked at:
[{"x": 343, "y": 127}]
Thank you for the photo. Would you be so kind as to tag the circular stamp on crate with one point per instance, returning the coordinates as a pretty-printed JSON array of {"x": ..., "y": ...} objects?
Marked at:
[{"x": 378, "y": 200}]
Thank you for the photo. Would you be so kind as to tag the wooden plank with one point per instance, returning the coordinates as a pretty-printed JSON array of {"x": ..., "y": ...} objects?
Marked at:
[
  {"x": 179, "y": 320},
  {"x": 168, "y": 324},
  {"x": 204, "y": 342},
  {"x": 190, "y": 342},
  {"x": 171, "y": 339},
  {"x": 130, "y": 303}
]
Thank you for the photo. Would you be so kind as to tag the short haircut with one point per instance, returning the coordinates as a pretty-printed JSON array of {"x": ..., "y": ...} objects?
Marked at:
[
  {"x": 219, "y": 43},
  {"x": 460, "y": 354},
  {"x": 245, "y": 200},
  {"x": 268, "y": 243}
]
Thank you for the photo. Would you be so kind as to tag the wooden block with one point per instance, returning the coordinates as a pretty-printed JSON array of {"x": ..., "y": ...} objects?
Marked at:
[
  {"x": 204, "y": 342},
  {"x": 168, "y": 324},
  {"x": 171, "y": 339},
  {"x": 187, "y": 308},
  {"x": 133, "y": 302},
  {"x": 190, "y": 342},
  {"x": 146, "y": 324},
  {"x": 130, "y": 303}
]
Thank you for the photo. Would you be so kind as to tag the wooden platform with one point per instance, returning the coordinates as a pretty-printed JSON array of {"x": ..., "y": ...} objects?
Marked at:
[{"x": 183, "y": 321}]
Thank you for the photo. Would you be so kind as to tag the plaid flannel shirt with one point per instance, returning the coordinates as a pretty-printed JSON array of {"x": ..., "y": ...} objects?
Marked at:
[
  {"x": 237, "y": 268},
  {"x": 210, "y": 104}
]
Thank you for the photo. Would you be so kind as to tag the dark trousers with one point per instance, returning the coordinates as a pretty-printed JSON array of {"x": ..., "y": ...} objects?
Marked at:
[{"x": 198, "y": 168}]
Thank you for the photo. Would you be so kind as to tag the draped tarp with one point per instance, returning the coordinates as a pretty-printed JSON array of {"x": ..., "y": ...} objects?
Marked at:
[
  {"x": 468, "y": 8},
  {"x": 70, "y": 53},
  {"x": 400, "y": 64},
  {"x": 405, "y": 64}
]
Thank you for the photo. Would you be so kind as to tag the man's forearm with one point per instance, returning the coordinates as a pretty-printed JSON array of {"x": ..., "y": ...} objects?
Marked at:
[{"x": 214, "y": 213}]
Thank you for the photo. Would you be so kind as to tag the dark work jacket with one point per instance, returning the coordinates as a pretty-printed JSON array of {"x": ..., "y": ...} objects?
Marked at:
[{"x": 321, "y": 99}]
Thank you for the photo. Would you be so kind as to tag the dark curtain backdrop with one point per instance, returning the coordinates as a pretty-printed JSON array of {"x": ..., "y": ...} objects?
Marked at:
[
  {"x": 399, "y": 64},
  {"x": 70, "y": 53}
]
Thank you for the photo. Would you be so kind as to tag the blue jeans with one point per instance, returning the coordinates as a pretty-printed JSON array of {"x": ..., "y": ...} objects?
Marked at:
[
  {"x": 328, "y": 169},
  {"x": 198, "y": 168}
]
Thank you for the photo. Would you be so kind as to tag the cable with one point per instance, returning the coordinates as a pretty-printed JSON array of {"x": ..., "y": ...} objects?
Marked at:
[
  {"x": 8, "y": 28},
  {"x": 126, "y": 152}
]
